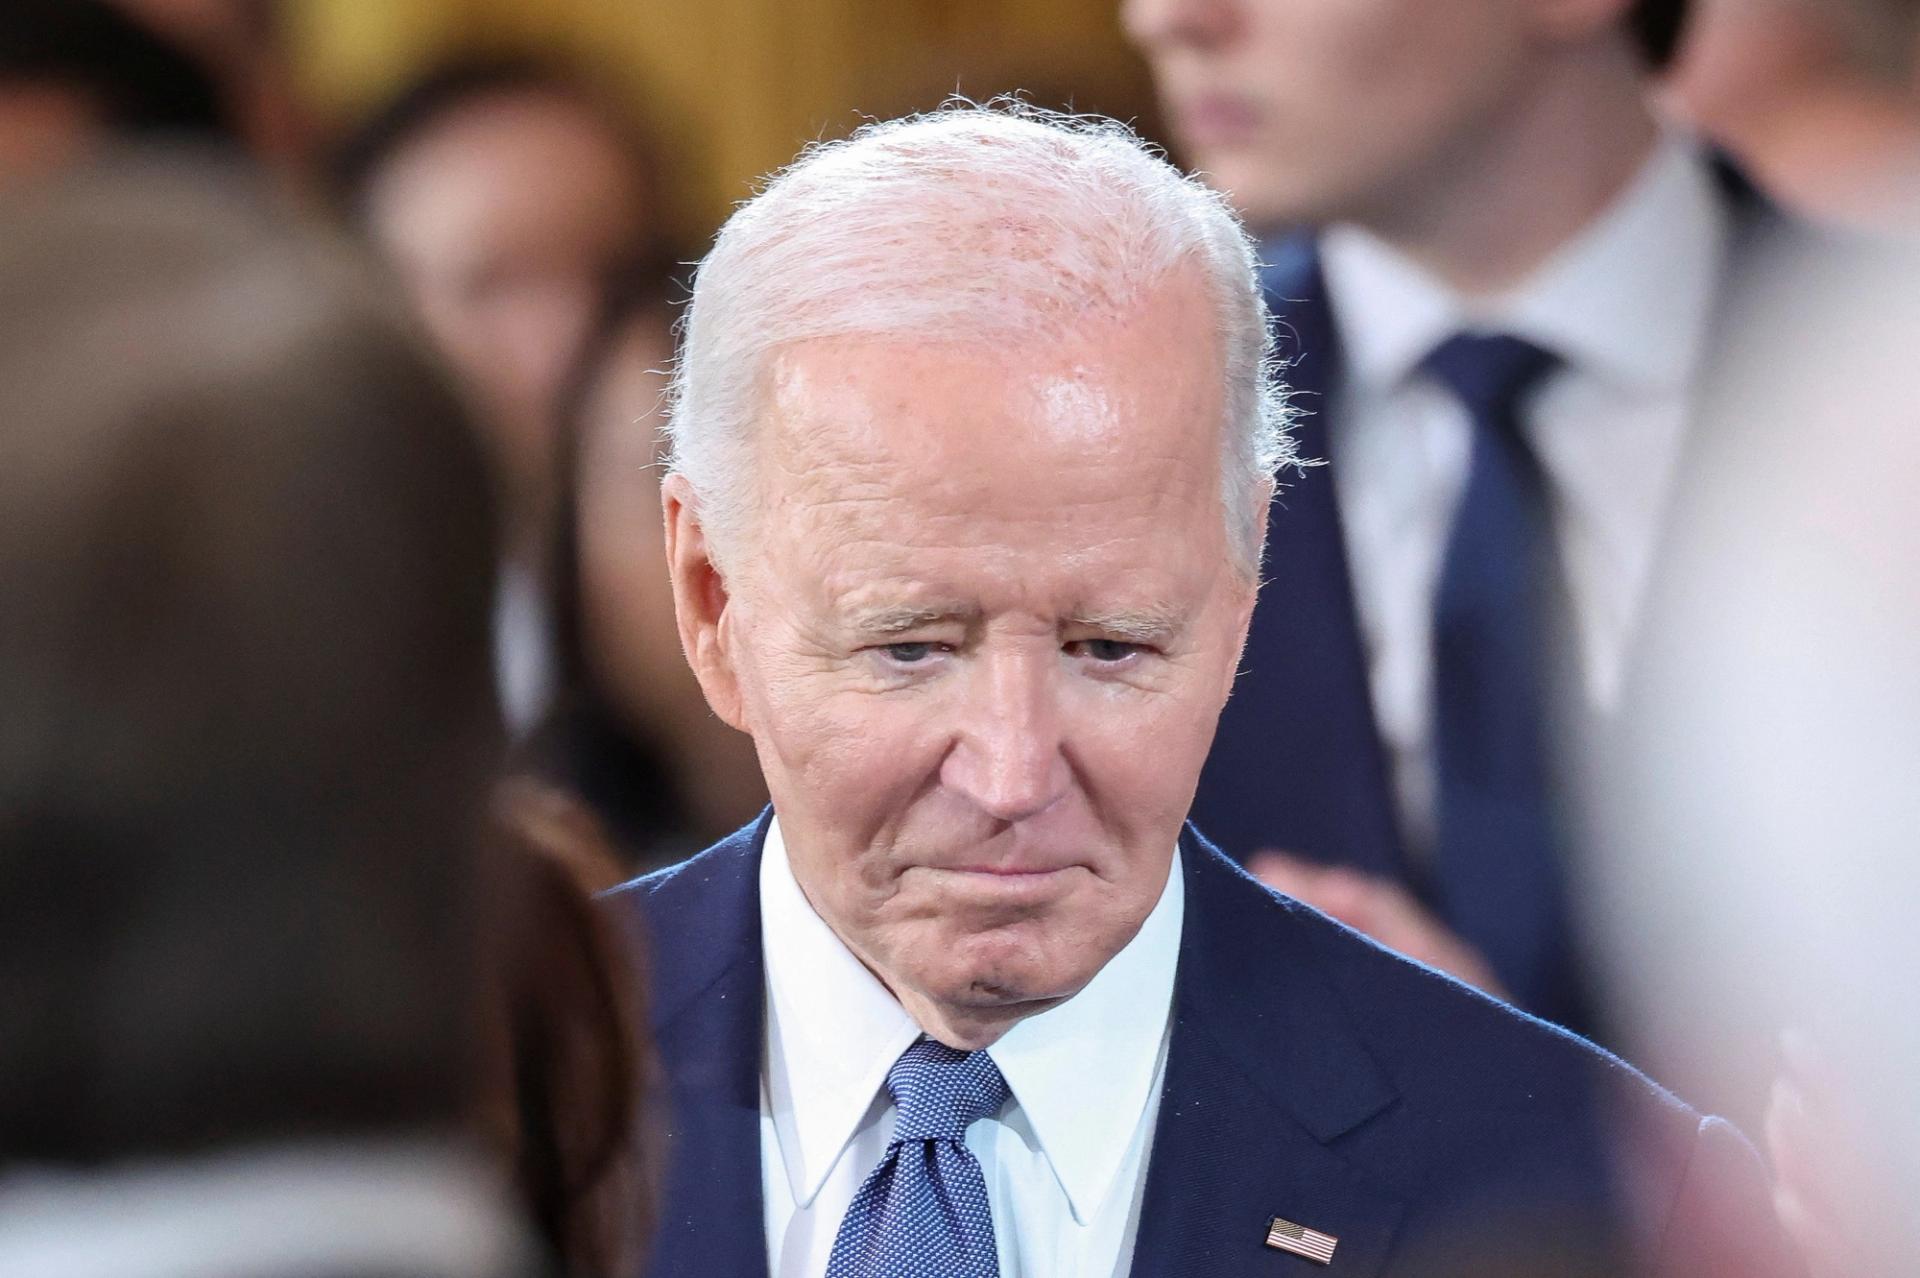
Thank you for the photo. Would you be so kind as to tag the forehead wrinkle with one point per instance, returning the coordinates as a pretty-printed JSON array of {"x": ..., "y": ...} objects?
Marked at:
[{"x": 872, "y": 461}]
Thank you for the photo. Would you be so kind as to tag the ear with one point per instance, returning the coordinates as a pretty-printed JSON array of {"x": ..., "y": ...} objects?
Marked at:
[{"x": 700, "y": 602}]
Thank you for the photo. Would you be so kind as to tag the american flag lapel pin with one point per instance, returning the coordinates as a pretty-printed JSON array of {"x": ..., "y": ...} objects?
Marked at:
[{"x": 1284, "y": 1235}]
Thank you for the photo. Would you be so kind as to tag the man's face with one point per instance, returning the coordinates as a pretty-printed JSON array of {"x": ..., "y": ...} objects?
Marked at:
[
  {"x": 1308, "y": 111},
  {"x": 981, "y": 636}
]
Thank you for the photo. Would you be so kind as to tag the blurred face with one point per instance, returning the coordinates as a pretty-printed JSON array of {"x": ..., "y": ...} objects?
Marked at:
[
  {"x": 1319, "y": 110},
  {"x": 981, "y": 638},
  {"x": 1746, "y": 60},
  {"x": 626, "y": 602},
  {"x": 502, "y": 220},
  {"x": 630, "y": 640}
]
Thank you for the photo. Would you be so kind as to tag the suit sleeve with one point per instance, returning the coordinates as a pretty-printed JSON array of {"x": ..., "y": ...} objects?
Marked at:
[{"x": 1721, "y": 1223}]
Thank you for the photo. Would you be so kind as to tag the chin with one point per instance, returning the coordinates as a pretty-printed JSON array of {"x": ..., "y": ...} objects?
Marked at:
[
  {"x": 1275, "y": 194},
  {"x": 994, "y": 971}
]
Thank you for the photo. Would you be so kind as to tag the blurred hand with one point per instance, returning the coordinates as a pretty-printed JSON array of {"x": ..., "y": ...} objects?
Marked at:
[
  {"x": 1383, "y": 910},
  {"x": 1831, "y": 1202}
]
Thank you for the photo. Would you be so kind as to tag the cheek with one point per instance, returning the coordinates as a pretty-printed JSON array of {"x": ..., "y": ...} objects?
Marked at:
[
  {"x": 1360, "y": 65},
  {"x": 1139, "y": 762},
  {"x": 845, "y": 755}
]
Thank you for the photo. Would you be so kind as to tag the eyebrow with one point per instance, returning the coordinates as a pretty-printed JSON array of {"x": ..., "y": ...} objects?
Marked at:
[
  {"x": 1151, "y": 625},
  {"x": 899, "y": 620}
]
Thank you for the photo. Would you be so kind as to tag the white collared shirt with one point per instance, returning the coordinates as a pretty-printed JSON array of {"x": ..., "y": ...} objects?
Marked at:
[
  {"x": 1065, "y": 1161},
  {"x": 1627, "y": 306}
]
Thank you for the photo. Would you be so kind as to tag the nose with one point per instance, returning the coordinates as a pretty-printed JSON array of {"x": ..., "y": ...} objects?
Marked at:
[
  {"x": 1154, "y": 25},
  {"x": 1008, "y": 758}
]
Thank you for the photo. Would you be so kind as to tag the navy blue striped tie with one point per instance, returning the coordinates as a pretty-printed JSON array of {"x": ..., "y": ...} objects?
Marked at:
[
  {"x": 1499, "y": 620},
  {"x": 923, "y": 1210}
]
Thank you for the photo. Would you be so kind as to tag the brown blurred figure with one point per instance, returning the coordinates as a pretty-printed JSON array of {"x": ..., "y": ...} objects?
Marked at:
[
  {"x": 1819, "y": 100},
  {"x": 569, "y": 1114},
  {"x": 629, "y": 730},
  {"x": 266, "y": 954}
]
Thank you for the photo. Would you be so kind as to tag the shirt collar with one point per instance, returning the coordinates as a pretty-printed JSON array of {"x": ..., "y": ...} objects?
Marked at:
[
  {"x": 834, "y": 1031},
  {"x": 1630, "y": 298},
  {"x": 1085, "y": 1119}
]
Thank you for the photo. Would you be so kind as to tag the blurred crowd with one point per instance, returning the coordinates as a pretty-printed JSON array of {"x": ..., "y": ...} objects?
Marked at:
[{"x": 340, "y": 664}]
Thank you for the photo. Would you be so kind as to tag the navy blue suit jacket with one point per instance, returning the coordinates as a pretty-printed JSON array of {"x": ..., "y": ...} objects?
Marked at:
[
  {"x": 1311, "y": 1075},
  {"x": 1298, "y": 763}
]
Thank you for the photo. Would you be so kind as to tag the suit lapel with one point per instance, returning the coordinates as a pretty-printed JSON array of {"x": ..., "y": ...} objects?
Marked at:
[
  {"x": 709, "y": 994},
  {"x": 1297, "y": 763},
  {"x": 1264, "y": 1075}
]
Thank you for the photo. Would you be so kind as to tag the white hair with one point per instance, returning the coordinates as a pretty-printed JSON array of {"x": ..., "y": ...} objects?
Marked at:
[{"x": 966, "y": 223}]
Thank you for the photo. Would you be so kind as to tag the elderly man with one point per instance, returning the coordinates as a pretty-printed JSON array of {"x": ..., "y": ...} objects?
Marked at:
[{"x": 972, "y": 448}]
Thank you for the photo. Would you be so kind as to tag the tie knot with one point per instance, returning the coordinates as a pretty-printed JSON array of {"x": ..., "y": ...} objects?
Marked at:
[
  {"x": 938, "y": 1092},
  {"x": 1489, "y": 372}
]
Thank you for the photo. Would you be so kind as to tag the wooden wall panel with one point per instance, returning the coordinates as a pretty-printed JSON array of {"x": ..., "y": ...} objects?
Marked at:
[{"x": 736, "y": 86}]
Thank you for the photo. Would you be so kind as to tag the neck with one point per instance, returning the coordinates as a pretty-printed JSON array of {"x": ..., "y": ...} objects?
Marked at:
[{"x": 1486, "y": 215}]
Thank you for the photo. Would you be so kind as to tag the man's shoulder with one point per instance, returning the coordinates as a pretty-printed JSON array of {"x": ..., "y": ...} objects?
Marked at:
[
  {"x": 694, "y": 921},
  {"x": 1444, "y": 1047},
  {"x": 1493, "y": 1115},
  {"x": 1496, "y": 1106},
  {"x": 718, "y": 871},
  {"x": 1446, "y": 1042}
]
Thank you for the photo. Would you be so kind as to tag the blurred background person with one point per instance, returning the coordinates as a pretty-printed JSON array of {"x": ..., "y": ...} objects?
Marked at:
[
  {"x": 1496, "y": 275},
  {"x": 503, "y": 193},
  {"x": 1759, "y": 874},
  {"x": 1818, "y": 99},
  {"x": 79, "y": 75},
  {"x": 628, "y": 729},
  {"x": 270, "y": 980},
  {"x": 244, "y": 46}
]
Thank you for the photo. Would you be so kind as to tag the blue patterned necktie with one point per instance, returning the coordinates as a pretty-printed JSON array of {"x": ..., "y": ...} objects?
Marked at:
[
  {"x": 923, "y": 1210},
  {"x": 1498, "y": 625}
]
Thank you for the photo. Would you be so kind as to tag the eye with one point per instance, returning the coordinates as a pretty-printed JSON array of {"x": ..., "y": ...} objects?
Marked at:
[
  {"x": 908, "y": 654},
  {"x": 1105, "y": 651}
]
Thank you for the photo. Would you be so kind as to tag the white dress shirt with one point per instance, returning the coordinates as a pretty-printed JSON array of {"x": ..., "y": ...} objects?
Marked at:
[
  {"x": 1627, "y": 306},
  {"x": 1064, "y": 1162}
]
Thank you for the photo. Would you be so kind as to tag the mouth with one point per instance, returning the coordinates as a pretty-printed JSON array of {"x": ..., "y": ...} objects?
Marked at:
[
  {"x": 1008, "y": 871},
  {"x": 1216, "y": 119},
  {"x": 1006, "y": 885}
]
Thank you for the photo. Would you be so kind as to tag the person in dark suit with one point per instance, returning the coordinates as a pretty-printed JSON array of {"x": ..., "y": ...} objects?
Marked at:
[
  {"x": 1494, "y": 321},
  {"x": 972, "y": 441}
]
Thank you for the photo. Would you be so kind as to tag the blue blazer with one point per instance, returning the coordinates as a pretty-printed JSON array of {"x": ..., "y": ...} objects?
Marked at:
[{"x": 1311, "y": 1075}]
